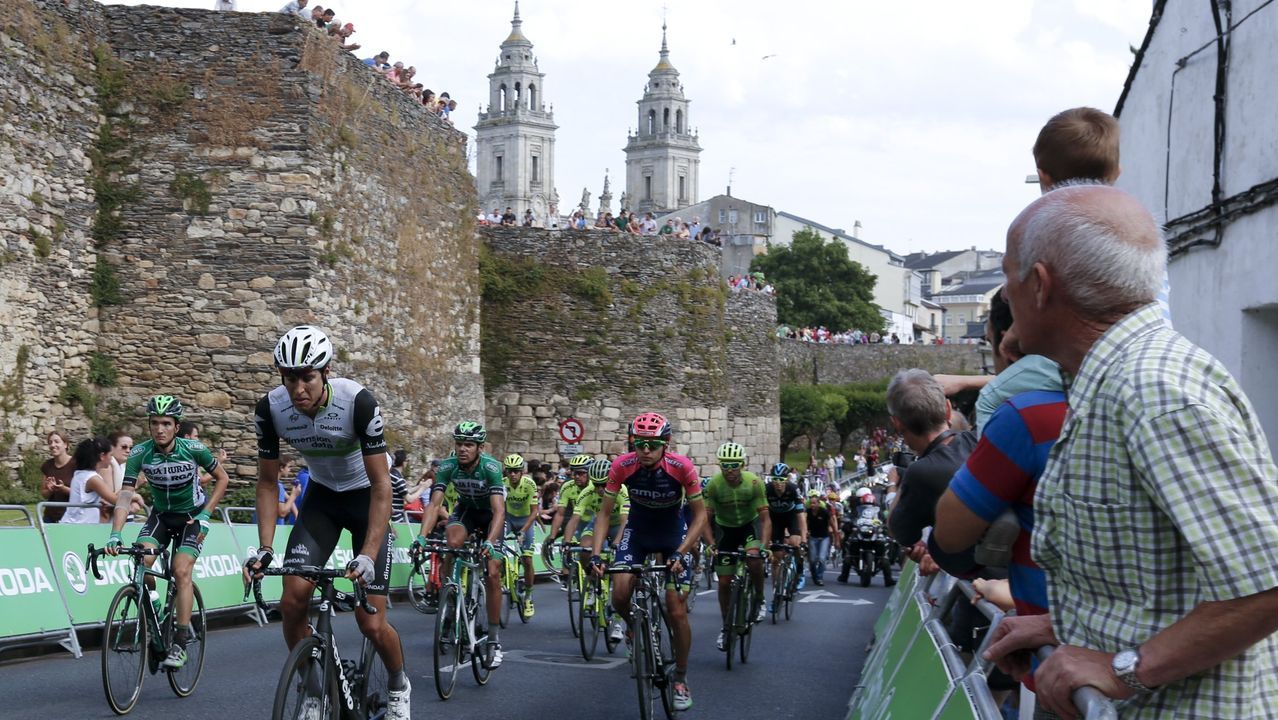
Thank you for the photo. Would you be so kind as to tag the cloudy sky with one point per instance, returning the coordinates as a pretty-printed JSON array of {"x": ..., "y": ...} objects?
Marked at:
[{"x": 915, "y": 118}]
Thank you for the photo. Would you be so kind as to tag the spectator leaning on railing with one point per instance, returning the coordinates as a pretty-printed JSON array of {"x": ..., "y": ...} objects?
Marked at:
[{"x": 1155, "y": 516}]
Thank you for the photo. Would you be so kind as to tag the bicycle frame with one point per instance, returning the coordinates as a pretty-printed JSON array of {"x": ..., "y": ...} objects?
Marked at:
[{"x": 159, "y": 643}]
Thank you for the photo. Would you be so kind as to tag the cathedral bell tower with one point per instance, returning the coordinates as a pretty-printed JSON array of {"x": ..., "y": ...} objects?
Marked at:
[
  {"x": 515, "y": 135},
  {"x": 663, "y": 156}
]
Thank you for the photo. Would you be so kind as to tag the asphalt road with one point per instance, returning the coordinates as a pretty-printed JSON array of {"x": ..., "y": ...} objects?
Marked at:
[{"x": 804, "y": 668}]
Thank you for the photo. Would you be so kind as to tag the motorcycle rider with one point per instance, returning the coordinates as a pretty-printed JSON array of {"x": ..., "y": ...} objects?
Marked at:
[{"x": 867, "y": 513}]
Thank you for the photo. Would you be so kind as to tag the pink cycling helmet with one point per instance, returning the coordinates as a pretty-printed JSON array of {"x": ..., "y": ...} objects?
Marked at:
[{"x": 650, "y": 425}]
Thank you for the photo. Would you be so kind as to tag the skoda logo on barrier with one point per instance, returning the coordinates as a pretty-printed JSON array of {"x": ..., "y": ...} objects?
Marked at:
[{"x": 73, "y": 569}]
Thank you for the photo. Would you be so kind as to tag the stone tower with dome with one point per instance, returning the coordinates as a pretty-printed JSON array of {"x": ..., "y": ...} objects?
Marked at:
[
  {"x": 515, "y": 135},
  {"x": 663, "y": 155}
]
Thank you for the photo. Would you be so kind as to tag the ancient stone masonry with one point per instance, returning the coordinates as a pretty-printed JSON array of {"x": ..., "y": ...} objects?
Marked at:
[
  {"x": 815, "y": 363},
  {"x": 277, "y": 180},
  {"x": 600, "y": 327}
]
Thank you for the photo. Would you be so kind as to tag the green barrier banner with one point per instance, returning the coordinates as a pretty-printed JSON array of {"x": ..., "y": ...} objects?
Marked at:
[
  {"x": 28, "y": 585},
  {"x": 217, "y": 570}
]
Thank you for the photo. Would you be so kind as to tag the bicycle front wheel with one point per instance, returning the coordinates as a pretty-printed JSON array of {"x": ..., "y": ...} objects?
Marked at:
[
  {"x": 479, "y": 635},
  {"x": 641, "y": 662},
  {"x": 574, "y": 599},
  {"x": 419, "y": 589},
  {"x": 663, "y": 657},
  {"x": 447, "y": 652},
  {"x": 729, "y": 623},
  {"x": 124, "y": 650},
  {"x": 184, "y": 679},
  {"x": 507, "y": 593},
  {"x": 306, "y": 689},
  {"x": 589, "y": 619},
  {"x": 746, "y": 611}
]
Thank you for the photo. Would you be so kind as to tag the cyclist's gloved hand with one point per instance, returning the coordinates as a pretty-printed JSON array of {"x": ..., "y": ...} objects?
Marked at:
[
  {"x": 361, "y": 569},
  {"x": 257, "y": 561},
  {"x": 113, "y": 544},
  {"x": 494, "y": 552},
  {"x": 677, "y": 563},
  {"x": 597, "y": 566},
  {"x": 202, "y": 517},
  {"x": 419, "y": 545}
]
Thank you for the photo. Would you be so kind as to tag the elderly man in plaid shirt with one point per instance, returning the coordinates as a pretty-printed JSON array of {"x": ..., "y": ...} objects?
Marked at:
[{"x": 1157, "y": 512}]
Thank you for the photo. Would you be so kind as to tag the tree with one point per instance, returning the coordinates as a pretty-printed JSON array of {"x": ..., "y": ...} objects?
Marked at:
[
  {"x": 808, "y": 410},
  {"x": 866, "y": 407},
  {"x": 818, "y": 285}
]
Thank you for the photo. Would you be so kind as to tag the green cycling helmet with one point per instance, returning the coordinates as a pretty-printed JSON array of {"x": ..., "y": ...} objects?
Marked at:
[
  {"x": 514, "y": 461},
  {"x": 164, "y": 406},
  {"x": 468, "y": 431},
  {"x": 731, "y": 452},
  {"x": 580, "y": 462},
  {"x": 599, "y": 471}
]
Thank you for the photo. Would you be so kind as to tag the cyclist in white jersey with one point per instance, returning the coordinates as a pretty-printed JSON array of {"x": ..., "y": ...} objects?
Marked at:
[{"x": 335, "y": 423}]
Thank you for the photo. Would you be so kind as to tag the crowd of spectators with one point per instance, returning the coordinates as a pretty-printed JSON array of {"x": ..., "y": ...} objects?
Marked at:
[
  {"x": 397, "y": 74},
  {"x": 822, "y": 334},
  {"x": 751, "y": 281}
]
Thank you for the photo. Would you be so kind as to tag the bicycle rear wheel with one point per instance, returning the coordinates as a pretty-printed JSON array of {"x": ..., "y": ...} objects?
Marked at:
[
  {"x": 729, "y": 623},
  {"x": 184, "y": 679},
  {"x": 447, "y": 652},
  {"x": 522, "y": 593},
  {"x": 663, "y": 654},
  {"x": 507, "y": 593},
  {"x": 124, "y": 650},
  {"x": 745, "y": 620},
  {"x": 792, "y": 588},
  {"x": 376, "y": 690},
  {"x": 479, "y": 623},
  {"x": 306, "y": 689}
]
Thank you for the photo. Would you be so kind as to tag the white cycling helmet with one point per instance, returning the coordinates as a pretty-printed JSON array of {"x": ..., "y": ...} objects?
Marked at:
[
  {"x": 862, "y": 492},
  {"x": 305, "y": 347}
]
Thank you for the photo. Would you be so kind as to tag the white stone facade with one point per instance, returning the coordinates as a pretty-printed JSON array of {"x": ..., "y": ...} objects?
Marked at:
[{"x": 663, "y": 162}]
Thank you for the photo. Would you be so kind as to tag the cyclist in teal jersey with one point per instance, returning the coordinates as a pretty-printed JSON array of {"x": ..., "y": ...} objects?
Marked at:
[
  {"x": 480, "y": 509},
  {"x": 521, "y": 495},
  {"x": 171, "y": 466}
]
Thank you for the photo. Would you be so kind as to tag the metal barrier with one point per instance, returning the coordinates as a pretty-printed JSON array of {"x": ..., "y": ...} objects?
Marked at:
[{"x": 898, "y": 661}]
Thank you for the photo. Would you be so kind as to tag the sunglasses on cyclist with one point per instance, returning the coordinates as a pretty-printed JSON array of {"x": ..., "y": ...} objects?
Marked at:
[
  {"x": 730, "y": 465},
  {"x": 581, "y": 471},
  {"x": 649, "y": 444}
]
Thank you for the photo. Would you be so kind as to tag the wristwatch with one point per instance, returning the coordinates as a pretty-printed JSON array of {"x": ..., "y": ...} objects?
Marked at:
[{"x": 1124, "y": 665}]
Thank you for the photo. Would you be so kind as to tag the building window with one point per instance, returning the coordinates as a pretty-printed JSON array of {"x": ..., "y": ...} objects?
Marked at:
[
  {"x": 647, "y": 187},
  {"x": 679, "y": 121},
  {"x": 499, "y": 174},
  {"x": 962, "y": 318},
  {"x": 683, "y": 188},
  {"x": 949, "y": 319},
  {"x": 501, "y": 98},
  {"x": 652, "y": 122},
  {"x": 536, "y": 169},
  {"x": 517, "y": 92},
  {"x": 761, "y": 217},
  {"x": 665, "y": 120},
  {"x": 723, "y": 216},
  {"x": 532, "y": 96},
  {"x": 732, "y": 217}
]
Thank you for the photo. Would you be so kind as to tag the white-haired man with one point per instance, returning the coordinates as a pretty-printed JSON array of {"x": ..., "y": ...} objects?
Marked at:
[{"x": 1155, "y": 514}]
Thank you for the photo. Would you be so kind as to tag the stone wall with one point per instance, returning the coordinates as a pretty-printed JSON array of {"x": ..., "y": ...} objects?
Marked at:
[
  {"x": 804, "y": 362},
  {"x": 601, "y": 327},
  {"x": 48, "y": 127},
  {"x": 261, "y": 178}
]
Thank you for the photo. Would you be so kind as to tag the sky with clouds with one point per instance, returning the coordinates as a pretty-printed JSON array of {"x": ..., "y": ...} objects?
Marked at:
[{"x": 915, "y": 118}]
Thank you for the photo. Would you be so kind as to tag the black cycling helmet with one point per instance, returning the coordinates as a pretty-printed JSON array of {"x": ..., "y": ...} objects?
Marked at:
[
  {"x": 164, "y": 406},
  {"x": 780, "y": 471}
]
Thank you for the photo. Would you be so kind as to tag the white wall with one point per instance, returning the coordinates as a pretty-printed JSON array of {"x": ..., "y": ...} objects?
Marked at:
[
  {"x": 1224, "y": 299},
  {"x": 889, "y": 291}
]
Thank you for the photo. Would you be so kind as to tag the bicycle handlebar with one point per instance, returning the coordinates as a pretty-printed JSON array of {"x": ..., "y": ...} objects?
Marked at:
[
  {"x": 137, "y": 550},
  {"x": 322, "y": 577}
]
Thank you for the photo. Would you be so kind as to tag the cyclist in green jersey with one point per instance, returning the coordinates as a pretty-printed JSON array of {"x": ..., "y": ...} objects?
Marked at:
[
  {"x": 521, "y": 495},
  {"x": 738, "y": 509},
  {"x": 588, "y": 502},
  {"x": 171, "y": 466},
  {"x": 579, "y": 467},
  {"x": 480, "y": 509}
]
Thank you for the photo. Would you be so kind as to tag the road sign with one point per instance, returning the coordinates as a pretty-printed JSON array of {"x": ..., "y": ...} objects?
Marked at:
[
  {"x": 571, "y": 430},
  {"x": 569, "y": 449}
]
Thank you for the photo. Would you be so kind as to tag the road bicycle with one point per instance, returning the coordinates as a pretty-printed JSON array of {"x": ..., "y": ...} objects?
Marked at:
[
  {"x": 595, "y": 609},
  {"x": 460, "y": 624},
  {"x": 515, "y": 592},
  {"x": 651, "y": 641},
  {"x": 706, "y": 567},
  {"x": 743, "y": 606},
  {"x": 786, "y": 584},
  {"x": 424, "y": 581},
  {"x": 136, "y": 638},
  {"x": 316, "y": 680}
]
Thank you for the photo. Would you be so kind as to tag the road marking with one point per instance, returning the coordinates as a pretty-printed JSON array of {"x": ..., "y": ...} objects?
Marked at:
[
  {"x": 825, "y": 596},
  {"x": 600, "y": 662},
  {"x": 706, "y": 592}
]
